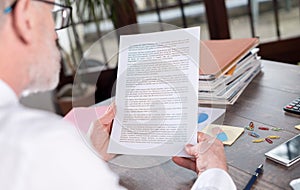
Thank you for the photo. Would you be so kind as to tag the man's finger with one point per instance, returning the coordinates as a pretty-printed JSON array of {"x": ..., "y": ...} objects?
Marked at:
[
  {"x": 109, "y": 115},
  {"x": 191, "y": 150},
  {"x": 185, "y": 162},
  {"x": 203, "y": 137}
]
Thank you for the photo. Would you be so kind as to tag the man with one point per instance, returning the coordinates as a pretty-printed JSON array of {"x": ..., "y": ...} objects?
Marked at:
[{"x": 39, "y": 151}]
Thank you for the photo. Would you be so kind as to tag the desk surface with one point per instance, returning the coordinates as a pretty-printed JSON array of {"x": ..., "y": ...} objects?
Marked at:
[{"x": 262, "y": 103}]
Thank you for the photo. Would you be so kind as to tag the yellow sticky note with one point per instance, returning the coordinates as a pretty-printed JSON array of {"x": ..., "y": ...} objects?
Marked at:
[
  {"x": 297, "y": 127},
  {"x": 232, "y": 132}
]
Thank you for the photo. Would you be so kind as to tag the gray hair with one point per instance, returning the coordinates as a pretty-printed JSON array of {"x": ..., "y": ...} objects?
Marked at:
[{"x": 3, "y": 5}]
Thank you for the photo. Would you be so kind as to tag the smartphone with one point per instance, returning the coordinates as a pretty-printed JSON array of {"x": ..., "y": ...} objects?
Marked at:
[{"x": 286, "y": 153}]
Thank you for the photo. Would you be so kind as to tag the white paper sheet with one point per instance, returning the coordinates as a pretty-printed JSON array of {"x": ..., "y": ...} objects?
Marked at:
[
  {"x": 208, "y": 116},
  {"x": 157, "y": 93}
]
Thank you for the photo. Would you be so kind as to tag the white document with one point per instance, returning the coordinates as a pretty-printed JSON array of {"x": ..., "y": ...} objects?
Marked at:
[
  {"x": 208, "y": 116},
  {"x": 157, "y": 93}
]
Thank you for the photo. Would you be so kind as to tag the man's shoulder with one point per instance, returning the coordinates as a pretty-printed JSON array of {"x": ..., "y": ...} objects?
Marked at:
[
  {"x": 22, "y": 122},
  {"x": 31, "y": 130},
  {"x": 46, "y": 148}
]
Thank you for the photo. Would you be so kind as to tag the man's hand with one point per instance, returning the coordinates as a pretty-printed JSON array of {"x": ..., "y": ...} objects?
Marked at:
[
  {"x": 99, "y": 132},
  {"x": 208, "y": 153}
]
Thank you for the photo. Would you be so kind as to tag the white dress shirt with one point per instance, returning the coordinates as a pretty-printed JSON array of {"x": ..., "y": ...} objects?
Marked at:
[
  {"x": 40, "y": 151},
  {"x": 214, "y": 179}
]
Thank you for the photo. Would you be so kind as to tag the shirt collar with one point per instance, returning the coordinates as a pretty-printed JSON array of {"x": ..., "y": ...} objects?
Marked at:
[{"x": 7, "y": 95}]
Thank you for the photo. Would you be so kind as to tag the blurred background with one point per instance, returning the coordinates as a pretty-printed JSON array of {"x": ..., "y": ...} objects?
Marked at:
[{"x": 275, "y": 22}]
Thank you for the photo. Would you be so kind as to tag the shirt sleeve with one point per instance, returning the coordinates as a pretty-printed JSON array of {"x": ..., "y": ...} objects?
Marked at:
[
  {"x": 214, "y": 179},
  {"x": 59, "y": 158}
]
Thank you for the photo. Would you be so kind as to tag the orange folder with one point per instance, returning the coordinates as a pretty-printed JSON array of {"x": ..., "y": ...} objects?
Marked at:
[{"x": 217, "y": 57}]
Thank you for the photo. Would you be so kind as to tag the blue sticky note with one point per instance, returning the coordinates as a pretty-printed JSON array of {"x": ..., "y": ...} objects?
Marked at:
[
  {"x": 202, "y": 117},
  {"x": 222, "y": 137}
]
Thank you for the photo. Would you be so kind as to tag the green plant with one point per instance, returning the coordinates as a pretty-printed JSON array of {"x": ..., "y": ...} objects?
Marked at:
[{"x": 120, "y": 12}]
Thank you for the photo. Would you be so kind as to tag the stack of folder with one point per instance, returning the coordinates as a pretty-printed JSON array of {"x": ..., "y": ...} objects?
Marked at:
[{"x": 226, "y": 68}]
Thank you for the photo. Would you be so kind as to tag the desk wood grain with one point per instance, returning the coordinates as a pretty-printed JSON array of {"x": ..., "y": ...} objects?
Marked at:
[{"x": 262, "y": 103}]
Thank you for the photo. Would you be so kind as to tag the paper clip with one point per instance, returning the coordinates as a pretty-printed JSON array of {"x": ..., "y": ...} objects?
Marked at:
[
  {"x": 253, "y": 134},
  {"x": 248, "y": 128},
  {"x": 276, "y": 129},
  {"x": 258, "y": 140},
  {"x": 263, "y": 128},
  {"x": 251, "y": 125},
  {"x": 269, "y": 140},
  {"x": 273, "y": 137}
]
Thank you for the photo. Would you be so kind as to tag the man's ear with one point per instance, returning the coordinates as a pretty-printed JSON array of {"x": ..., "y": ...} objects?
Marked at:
[{"x": 23, "y": 20}]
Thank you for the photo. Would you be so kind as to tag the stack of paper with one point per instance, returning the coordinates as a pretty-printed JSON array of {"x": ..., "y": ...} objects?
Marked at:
[{"x": 226, "y": 68}]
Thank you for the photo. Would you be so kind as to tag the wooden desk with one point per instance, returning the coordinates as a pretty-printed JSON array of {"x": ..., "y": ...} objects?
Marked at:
[{"x": 261, "y": 103}]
